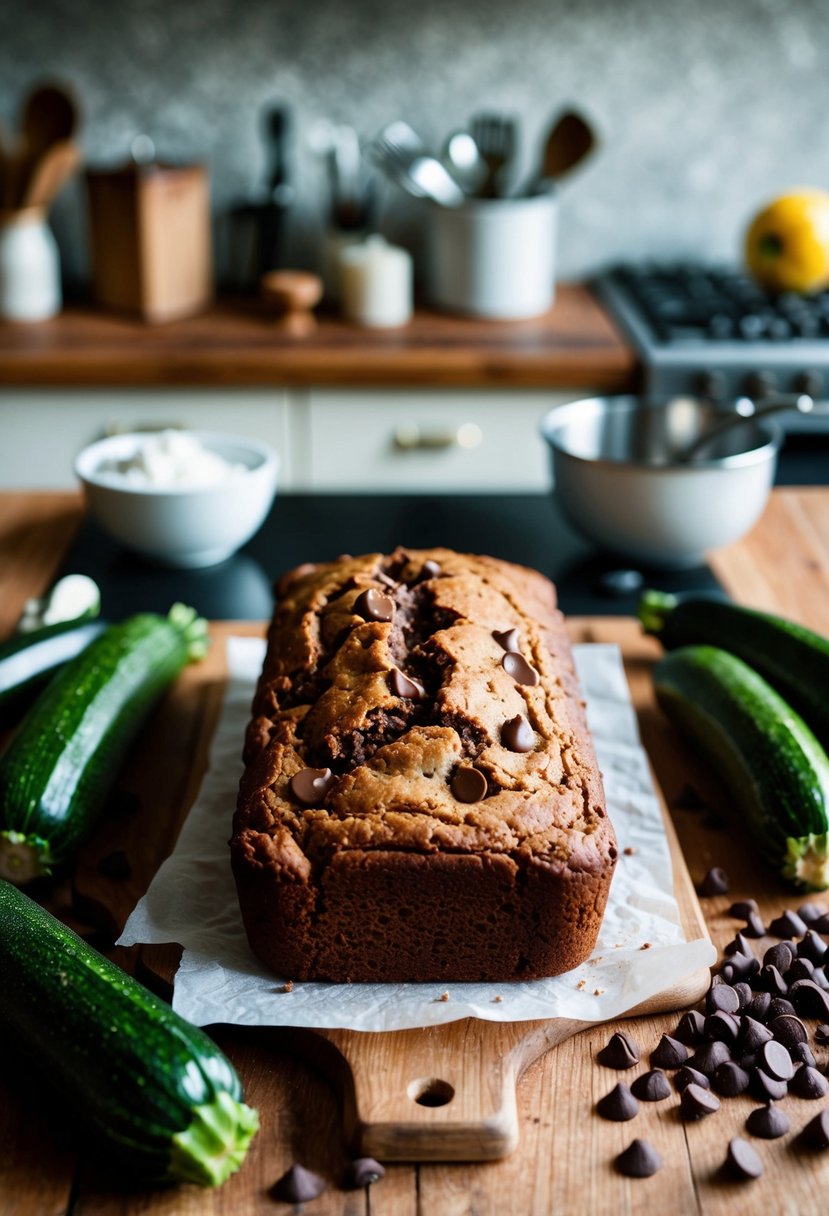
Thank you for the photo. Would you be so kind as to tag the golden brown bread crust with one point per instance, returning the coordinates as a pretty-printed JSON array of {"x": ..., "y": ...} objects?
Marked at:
[{"x": 380, "y": 871}]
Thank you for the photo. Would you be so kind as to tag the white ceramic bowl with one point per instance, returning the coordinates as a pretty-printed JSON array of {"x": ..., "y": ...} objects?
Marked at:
[
  {"x": 175, "y": 525},
  {"x": 617, "y": 479}
]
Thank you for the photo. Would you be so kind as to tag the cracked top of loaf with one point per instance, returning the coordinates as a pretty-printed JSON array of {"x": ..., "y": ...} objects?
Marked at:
[{"x": 421, "y": 701}]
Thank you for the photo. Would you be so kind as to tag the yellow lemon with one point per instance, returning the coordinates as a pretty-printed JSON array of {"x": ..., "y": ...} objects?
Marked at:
[{"x": 787, "y": 244}]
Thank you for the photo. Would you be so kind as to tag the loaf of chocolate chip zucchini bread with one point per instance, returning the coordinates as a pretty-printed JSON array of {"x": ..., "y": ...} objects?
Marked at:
[{"x": 420, "y": 799}]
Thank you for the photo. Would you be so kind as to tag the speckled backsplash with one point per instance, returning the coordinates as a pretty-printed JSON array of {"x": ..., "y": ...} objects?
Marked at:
[{"x": 704, "y": 109}]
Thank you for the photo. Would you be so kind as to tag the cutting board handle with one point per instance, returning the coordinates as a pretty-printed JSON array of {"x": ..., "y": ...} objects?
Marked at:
[{"x": 442, "y": 1093}]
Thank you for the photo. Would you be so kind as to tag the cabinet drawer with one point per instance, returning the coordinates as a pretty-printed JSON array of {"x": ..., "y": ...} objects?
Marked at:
[
  {"x": 419, "y": 441},
  {"x": 44, "y": 430}
]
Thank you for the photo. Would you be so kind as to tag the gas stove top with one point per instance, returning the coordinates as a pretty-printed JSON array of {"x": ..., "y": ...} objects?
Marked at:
[{"x": 713, "y": 332}]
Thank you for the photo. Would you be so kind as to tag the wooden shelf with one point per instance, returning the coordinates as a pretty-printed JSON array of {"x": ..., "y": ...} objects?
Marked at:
[{"x": 236, "y": 344}]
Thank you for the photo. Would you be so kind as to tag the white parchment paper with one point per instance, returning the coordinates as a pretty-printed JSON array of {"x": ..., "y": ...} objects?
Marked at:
[{"x": 192, "y": 899}]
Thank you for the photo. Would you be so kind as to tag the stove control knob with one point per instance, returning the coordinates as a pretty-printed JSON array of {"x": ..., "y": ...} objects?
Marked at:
[
  {"x": 760, "y": 384},
  {"x": 808, "y": 382},
  {"x": 711, "y": 385}
]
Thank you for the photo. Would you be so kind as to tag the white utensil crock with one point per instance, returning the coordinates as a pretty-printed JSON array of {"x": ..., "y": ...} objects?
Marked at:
[{"x": 493, "y": 257}]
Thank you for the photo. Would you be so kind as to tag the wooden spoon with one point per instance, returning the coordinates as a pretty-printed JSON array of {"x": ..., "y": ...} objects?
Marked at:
[
  {"x": 570, "y": 140},
  {"x": 50, "y": 174},
  {"x": 49, "y": 116}
]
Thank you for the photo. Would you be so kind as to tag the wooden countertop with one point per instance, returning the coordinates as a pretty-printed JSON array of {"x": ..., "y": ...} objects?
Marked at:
[
  {"x": 236, "y": 344},
  {"x": 564, "y": 1160}
]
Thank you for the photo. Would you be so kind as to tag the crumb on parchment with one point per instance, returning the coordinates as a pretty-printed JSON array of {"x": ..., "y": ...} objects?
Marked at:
[
  {"x": 646, "y": 946},
  {"x": 629, "y": 851},
  {"x": 598, "y": 991},
  {"x": 497, "y": 999},
  {"x": 288, "y": 986},
  {"x": 581, "y": 985},
  {"x": 444, "y": 996}
]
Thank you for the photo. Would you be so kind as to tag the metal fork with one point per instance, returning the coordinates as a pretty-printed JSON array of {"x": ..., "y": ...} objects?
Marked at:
[
  {"x": 399, "y": 151},
  {"x": 496, "y": 137}
]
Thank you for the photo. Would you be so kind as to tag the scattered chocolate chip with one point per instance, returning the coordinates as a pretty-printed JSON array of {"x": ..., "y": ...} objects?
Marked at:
[
  {"x": 115, "y": 865},
  {"x": 374, "y": 605},
  {"x": 638, "y": 1160},
  {"x": 619, "y": 1105},
  {"x": 691, "y": 1027},
  {"x": 807, "y": 1082},
  {"x": 509, "y": 639},
  {"x": 652, "y": 1086},
  {"x": 688, "y": 799},
  {"x": 740, "y": 945},
  {"x": 723, "y": 1026},
  {"x": 362, "y": 1172},
  {"x": 730, "y": 1079},
  {"x": 747, "y": 1060},
  {"x": 310, "y": 785},
  {"x": 754, "y": 926},
  {"x": 517, "y": 734},
  {"x": 788, "y": 924},
  {"x": 770, "y": 980},
  {"x": 468, "y": 784},
  {"x": 801, "y": 969},
  {"x": 812, "y": 947},
  {"x": 753, "y": 1034},
  {"x": 768, "y": 1122},
  {"x": 669, "y": 1053},
  {"x": 516, "y": 665},
  {"x": 810, "y": 912},
  {"x": 402, "y": 686},
  {"x": 621, "y": 1051},
  {"x": 765, "y": 1088},
  {"x": 722, "y": 999},
  {"x": 714, "y": 883},
  {"x": 742, "y": 1161},
  {"x": 816, "y": 1131},
  {"x": 802, "y": 1054},
  {"x": 696, "y": 1102},
  {"x": 789, "y": 1030},
  {"x": 298, "y": 1185},
  {"x": 690, "y": 1076},
  {"x": 780, "y": 956},
  {"x": 709, "y": 1057},
  {"x": 744, "y": 993},
  {"x": 758, "y": 1006},
  {"x": 778, "y": 1006},
  {"x": 740, "y": 967},
  {"x": 742, "y": 909},
  {"x": 821, "y": 925},
  {"x": 820, "y": 978},
  {"x": 822, "y": 1035},
  {"x": 776, "y": 1061},
  {"x": 809, "y": 1000}
]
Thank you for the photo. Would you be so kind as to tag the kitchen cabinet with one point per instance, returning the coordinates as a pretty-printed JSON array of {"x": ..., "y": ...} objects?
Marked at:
[{"x": 372, "y": 439}]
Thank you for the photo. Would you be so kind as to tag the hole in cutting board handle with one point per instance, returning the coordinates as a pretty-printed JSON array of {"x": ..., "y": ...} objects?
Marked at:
[{"x": 431, "y": 1091}]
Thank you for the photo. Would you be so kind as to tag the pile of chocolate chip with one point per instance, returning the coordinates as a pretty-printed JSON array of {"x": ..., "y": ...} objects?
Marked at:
[{"x": 750, "y": 1037}]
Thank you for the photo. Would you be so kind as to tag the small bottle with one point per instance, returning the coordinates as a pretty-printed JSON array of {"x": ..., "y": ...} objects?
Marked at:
[{"x": 29, "y": 266}]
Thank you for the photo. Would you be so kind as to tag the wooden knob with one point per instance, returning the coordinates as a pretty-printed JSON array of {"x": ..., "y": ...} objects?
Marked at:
[{"x": 292, "y": 295}]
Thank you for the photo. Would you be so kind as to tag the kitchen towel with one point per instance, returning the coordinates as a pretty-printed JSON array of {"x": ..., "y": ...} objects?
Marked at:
[{"x": 192, "y": 899}]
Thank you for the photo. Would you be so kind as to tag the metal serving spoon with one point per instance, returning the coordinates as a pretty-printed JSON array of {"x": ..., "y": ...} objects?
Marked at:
[{"x": 745, "y": 410}]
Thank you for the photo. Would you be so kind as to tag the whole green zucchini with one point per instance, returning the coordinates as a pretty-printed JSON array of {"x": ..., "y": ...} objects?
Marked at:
[
  {"x": 794, "y": 659},
  {"x": 69, "y": 748},
  {"x": 776, "y": 771},
  {"x": 128, "y": 1073}
]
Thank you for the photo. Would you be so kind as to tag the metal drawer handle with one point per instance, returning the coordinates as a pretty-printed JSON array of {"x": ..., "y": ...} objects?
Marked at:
[{"x": 409, "y": 437}]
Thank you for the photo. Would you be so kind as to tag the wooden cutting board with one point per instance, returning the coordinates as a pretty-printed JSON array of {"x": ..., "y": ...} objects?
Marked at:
[{"x": 444, "y": 1093}]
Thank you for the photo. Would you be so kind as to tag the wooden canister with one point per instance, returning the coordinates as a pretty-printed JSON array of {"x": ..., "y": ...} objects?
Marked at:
[{"x": 151, "y": 239}]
